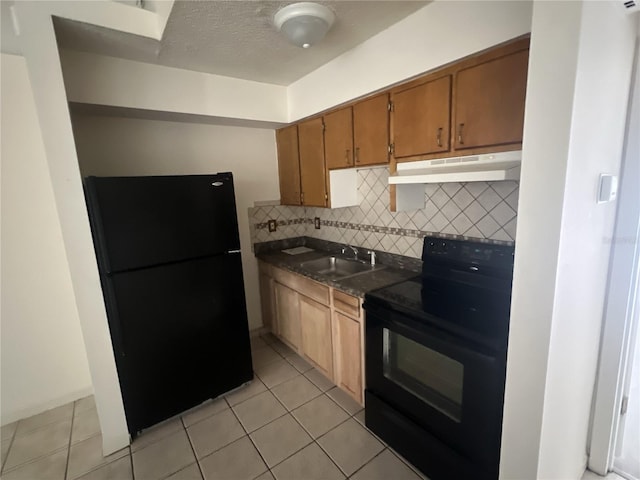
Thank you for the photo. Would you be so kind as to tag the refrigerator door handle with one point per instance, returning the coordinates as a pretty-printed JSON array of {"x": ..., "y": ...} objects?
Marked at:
[{"x": 234, "y": 251}]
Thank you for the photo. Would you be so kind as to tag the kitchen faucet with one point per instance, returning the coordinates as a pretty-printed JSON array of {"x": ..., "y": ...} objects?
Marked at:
[{"x": 353, "y": 249}]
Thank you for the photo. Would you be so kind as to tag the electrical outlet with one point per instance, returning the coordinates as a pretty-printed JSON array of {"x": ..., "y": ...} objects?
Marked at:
[
  {"x": 272, "y": 225},
  {"x": 316, "y": 223}
]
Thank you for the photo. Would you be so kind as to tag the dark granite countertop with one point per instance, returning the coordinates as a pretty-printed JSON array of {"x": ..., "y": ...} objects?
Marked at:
[{"x": 356, "y": 285}]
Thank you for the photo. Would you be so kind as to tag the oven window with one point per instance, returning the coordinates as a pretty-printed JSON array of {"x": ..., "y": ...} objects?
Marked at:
[{"x": 434, "y": 378}]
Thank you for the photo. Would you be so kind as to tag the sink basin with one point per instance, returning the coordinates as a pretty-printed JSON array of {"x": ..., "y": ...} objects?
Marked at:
[{"x": 335, "y": 267}]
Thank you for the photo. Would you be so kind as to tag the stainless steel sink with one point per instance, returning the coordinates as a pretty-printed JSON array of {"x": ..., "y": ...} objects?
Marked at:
[{"x": 335, "y": 267}]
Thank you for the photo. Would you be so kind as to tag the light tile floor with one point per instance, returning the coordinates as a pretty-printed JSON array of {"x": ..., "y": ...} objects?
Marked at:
[{"x": 290, "y": 423}]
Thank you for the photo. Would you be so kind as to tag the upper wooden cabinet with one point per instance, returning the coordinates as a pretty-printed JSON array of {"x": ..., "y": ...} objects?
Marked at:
[
  {"x": 420, "y": 118},
  {"x": 288, "y": 165},
  {"x": 470, "y": 107},
  {"x": 338, "y": 139},
  {"x": 489, "y": 102},
  {"x": 358, "y": 135},
  {"x": 312, "y": 169},
  {"x": 371, "y": 131}
]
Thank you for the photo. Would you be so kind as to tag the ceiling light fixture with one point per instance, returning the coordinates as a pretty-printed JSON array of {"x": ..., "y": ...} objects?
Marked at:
[{"x": 304, "y": 23}]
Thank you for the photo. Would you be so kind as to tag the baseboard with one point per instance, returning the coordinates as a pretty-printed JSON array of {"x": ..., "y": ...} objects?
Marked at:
[
  {"x": 256, "y": 332},
  {"x": 10, "y": 417},
  {"x": 113, "y": 444}
]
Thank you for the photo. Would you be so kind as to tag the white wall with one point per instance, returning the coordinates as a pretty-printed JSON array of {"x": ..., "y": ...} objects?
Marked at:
[
  {"x": 125, "y": 146},
  {"x": 38, "y": 44},
  {"x": 437, "y": 34},
  {"x": 571, "y": 135},
  {"x": 605, "y": 59},
  {"x": 44, "y": 363},
  {"x": 101, "y": 80}
]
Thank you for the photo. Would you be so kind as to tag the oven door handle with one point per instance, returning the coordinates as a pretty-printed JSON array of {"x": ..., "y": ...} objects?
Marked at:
[{"x": 428, "y": 336}]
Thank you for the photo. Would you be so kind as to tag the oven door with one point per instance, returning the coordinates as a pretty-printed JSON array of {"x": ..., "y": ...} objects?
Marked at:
[{"x": 446, "y": 385}]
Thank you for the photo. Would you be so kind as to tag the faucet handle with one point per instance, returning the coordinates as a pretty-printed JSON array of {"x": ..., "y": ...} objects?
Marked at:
[{"x": 372, "y": 254}]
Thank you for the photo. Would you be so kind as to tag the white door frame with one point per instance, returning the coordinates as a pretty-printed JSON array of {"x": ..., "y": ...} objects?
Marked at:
[{"x": 622, "y": 290}]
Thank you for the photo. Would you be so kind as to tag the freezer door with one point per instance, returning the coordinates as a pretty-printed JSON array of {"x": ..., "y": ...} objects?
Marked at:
[
  {"x": 144, "y": 221},
  {"x": 180, "y": 335}
]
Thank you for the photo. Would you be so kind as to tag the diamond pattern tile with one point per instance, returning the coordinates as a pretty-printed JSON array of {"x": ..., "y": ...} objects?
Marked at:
[
  {"x": 502, "y": 213},
  {"x": 504, "y": 188},
  {"x": 461, "y": 224},
  {"x": 476, "y": 209},
  {"x": 488, "y": 226},
  {"x": 451, "y": 189},
  {"x": 463, "y": 198}
]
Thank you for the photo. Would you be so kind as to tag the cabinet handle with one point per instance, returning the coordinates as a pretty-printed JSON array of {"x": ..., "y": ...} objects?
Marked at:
[
  {"x": 460, "y": 140},
  {"x": 346, "y": 156},
  {"x": 301, "y": 198},
  {"x": 357, "y": 154},
  {"x": 439, "y": 137}
]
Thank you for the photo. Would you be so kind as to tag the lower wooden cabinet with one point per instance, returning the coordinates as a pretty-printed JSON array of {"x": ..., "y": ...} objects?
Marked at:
[
  {"x": 288, "y": 315},
  {"x": 347, "y": 343},
  {"x": 320, "y": 323},
  {"x": 268, "y": 297},
  {"x": 315, "y": 320}
]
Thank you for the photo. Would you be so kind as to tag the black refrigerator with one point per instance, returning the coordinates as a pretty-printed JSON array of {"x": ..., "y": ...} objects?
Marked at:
[{"x": 168, "y": 253}]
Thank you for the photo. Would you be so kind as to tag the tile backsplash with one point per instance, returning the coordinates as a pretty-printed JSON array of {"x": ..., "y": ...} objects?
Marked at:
[{"x": 478, "y": 210}]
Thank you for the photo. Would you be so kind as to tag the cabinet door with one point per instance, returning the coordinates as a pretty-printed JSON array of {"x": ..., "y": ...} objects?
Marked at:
[
  {"x": 316, "y": 334},
  {"x": 347, "y": 344},
  {"x": 312, "y": 171},
  {"x": 288, "y": 165},
  {"x": 489, "y": 102},
  {"x": 267, "y": 302},
  {"x": 421, "y": 117},
  {"x": 338, "y": 139},
  {"x": 371, "y": 131},
  {"x": 288, "y": 314}
]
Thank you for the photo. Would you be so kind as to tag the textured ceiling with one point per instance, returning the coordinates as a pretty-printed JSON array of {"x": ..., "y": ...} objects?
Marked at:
[{"x": 237, "y": 38}]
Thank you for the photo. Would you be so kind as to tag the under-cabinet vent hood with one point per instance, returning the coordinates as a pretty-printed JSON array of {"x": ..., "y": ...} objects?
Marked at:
[{"x": 474, "y": 168}]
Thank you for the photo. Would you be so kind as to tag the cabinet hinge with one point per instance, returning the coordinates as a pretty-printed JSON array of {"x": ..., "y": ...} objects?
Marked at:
[
  {"x": 390, "y": 106},
  {"x": 624, "y": 405},
  {"x": 391, "y": 148}
]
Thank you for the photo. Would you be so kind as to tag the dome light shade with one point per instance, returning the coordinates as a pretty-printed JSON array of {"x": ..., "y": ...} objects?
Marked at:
[{"x": 304, "y": 23}]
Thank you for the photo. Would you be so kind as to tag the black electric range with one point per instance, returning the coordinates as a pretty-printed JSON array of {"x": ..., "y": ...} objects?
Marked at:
[{"x": 436, "y": 358}]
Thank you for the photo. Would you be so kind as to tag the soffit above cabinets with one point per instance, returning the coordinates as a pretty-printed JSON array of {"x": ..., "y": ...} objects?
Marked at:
[{"x": 238, "y": 39}]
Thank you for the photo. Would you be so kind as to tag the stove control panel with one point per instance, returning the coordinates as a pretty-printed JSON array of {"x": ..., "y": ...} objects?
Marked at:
[{"x": 464, "y": 251}]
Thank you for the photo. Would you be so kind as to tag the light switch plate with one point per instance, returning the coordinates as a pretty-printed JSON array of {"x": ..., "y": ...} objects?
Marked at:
[
  {"x": 272, "y": 225},
  {"x": 608, "y": 188}
]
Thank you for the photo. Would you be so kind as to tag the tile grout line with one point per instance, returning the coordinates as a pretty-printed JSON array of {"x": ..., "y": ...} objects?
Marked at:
[
  {"x": 13, "y": 436},
  {"x": 288, "y": 412},
  {"x": 73, "y": 417},
  {"x": 133, "y": 472},
  {"x": 368, "y": 462},
  {"x": 313, "y": 440},
  {"x": 251, "y": 439},
  {"x": 193, "y": 449}
]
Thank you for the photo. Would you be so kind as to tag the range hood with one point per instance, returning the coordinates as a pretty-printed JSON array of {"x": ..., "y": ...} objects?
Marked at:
[{"x": 473, "y": 168}]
